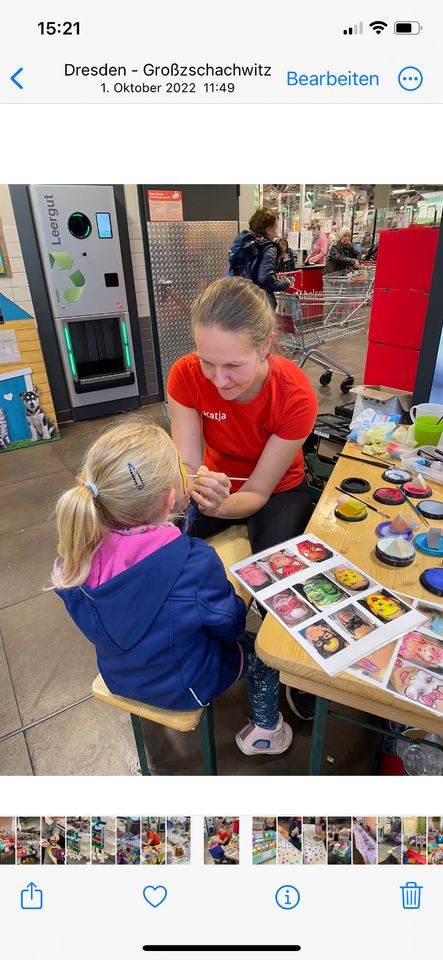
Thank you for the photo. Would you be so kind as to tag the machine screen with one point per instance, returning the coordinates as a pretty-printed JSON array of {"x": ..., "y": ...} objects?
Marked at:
[{"x": 104, "y": 226}]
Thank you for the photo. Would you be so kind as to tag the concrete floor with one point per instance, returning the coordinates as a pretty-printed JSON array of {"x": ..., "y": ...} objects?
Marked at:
[{"x": 49, "y": 725}]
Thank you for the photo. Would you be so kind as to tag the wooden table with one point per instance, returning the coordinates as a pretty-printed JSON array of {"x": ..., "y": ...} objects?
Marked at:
[{"x": 356, "y": 542}]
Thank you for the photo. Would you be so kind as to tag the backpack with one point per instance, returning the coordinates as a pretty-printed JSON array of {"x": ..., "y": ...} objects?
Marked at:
[{"x": 245, "y": 255}]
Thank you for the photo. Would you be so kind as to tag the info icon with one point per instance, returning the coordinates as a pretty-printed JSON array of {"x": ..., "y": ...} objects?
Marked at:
[{"x": 287, "y": 897}]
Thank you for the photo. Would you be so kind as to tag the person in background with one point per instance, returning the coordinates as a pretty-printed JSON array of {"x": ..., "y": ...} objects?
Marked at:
[
  {"x": 285, "y": 257},
  {"x": 264, "y": 223},
  {"x": 319, "y": 250},
  {"x": 342, "y": 255}
]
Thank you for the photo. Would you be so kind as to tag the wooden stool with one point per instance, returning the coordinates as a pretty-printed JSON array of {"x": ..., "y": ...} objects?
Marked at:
[{"x": 231, "y": 545}]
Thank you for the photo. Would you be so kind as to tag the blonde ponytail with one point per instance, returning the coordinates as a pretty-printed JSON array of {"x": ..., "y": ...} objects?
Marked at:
[{"x": 126, "y": 476}]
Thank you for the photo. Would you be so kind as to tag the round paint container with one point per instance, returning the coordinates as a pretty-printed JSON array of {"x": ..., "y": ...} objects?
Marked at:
[
  {"x": 433, "y": 509},
  {"x": 432, "y": 580},
  {"x": 341, "y": 516},
  {"x": 421, "y": 544},
  {"x": 384, "y": 530},
  {"x": 416, "y": 492},
  {"x": 394, "y": 475},
  {"x": 391, "y": 496},
  {"x": 355, "y": 485},
  {"x": 387, "y": 550}
]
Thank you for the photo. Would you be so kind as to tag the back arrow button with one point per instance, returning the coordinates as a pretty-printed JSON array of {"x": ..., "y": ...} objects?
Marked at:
[{"x": 14, "y": 78}]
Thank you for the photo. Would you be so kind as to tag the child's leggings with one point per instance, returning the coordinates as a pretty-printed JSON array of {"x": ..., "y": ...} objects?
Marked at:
[{"x": 263, "y": 685}]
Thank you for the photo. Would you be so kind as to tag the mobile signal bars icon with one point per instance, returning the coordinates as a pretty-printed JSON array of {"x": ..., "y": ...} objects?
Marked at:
[
  {"x": 378, "y": 26},
  {"x": 354, "y": 31}
]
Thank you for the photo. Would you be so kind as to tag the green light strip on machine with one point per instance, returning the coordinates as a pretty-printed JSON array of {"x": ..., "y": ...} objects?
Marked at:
[
  {"x": 125, "y": 341},
  {"x": 70, "y": 354}
]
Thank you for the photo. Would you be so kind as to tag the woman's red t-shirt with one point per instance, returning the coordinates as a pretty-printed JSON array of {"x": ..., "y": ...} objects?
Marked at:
[{"x": 236, "y": 434}]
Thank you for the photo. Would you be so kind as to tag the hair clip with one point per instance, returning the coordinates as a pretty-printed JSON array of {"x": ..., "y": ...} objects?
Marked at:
[{"x": 138, "y": 480}]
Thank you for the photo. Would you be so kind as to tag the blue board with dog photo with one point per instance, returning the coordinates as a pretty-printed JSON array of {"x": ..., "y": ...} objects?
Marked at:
[{"x": 13, "y": 408}]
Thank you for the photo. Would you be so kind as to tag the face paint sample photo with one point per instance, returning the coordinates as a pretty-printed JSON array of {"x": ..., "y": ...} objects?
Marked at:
[
  {"x": 352, "y": 621},
  {"x": 349, "y": 578},
  {"x": 320, "y": 591},
  {"x": 375, "y": 665},
  {"x": 325, "y": 641},
  {"x": 383, "y": 605},
  {"x": 282, "y": 563},
  {"x": 254, "y": 576},
  {"x": 422, "y": 650},
  {"x": 313, "y": 551},
  {"x": 434, "y": 617},
  {"x": 289, "y": 608},
  {"x": 417, "y": 685}
]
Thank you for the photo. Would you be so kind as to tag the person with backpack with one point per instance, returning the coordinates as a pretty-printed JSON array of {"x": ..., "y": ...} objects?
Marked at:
[{"x": 254, "y": 254}]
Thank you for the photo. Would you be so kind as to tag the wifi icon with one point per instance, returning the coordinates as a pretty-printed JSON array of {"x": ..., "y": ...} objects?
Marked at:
[{"x": 378, "y": 26}]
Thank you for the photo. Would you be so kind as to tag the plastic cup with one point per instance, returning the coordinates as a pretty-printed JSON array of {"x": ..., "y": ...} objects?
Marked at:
[
  {"x": 428, "y": 430},
  {"x": 426, "y": 410}
]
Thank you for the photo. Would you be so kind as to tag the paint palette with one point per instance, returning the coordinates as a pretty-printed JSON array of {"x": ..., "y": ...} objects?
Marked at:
[
  {"x": 430, "y": 543},
  {"x": 417, "y": 488},
  {"x": 395, "y": 551},
  {"x": 395, "y": 475},
  {"x": 355, "y": 485},
  {"x": 433, "y": 509},
  {"x": 349, "y": 509},
  {"x": 432, "y": 580},
  {"x": 398, "y": 527},
  {"x": 391, "y": 496}
]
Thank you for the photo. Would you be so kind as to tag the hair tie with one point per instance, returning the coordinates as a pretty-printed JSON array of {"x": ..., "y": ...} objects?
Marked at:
[{"x": 92, "y": 487}]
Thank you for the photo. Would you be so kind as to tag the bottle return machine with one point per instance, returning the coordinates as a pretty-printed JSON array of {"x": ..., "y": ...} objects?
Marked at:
[{"x": 77, "y": 234}]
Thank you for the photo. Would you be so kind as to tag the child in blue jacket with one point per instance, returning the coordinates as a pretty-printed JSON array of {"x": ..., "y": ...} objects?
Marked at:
[{"x": 167, "y": 625}]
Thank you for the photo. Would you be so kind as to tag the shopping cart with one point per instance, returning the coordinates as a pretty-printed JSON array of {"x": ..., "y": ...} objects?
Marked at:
[{"x": 306, "y": 320}]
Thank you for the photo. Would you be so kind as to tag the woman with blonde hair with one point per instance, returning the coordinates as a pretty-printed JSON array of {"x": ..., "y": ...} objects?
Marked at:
[
  {"x": 166, "y": 623},
  {"x": 240, "y": 414}
]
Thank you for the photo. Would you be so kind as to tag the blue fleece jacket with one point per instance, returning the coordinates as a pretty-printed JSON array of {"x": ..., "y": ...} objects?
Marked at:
[{"x": 165, "y": 629}]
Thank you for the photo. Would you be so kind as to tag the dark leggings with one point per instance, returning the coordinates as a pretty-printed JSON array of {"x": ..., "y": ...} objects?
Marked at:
[{"x": 283, "y": 516}]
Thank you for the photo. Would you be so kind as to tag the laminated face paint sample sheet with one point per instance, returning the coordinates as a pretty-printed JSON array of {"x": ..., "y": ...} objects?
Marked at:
[
  {"x": 410, "y": 667},
  {"x": 338, "y": 613}
]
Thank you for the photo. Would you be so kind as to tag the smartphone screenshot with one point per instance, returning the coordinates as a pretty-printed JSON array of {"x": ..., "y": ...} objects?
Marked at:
[{"x": 221, "y": 480}]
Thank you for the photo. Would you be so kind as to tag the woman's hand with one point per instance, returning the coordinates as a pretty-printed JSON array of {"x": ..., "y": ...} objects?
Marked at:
[{"x": 210, "y": 490}]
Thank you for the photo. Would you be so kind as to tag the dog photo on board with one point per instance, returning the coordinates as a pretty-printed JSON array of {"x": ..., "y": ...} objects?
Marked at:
[{"x": 39, "y": 424}]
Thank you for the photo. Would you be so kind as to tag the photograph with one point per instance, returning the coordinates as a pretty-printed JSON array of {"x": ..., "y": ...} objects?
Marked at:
[
  {"x": 320, "y": 591},
  {"x": 435, "y": 841},
  {"x": 290, "y": 840},
  {"x": 103, "y": 840},
  {"x": 414, "y": 841},
  {"x": 339, "y": 840},
  {"x": 128, "y": 841},
  {"x": 314, "y": 551},
  {"x": 7, "y": 840},
  {"x": 364, "y": 840},
  {"x": 374, "y": 667},
  {"x": 288, "y": 607},
  {"x": 325, "y": 640},
  {"x": 264, "y": 840},
  {"x": 418, "y": 685},
  {"x": 423, "y": 650},
  {"x": 353, "y": 622},
  {"x": 221, "y": 840},
  {"x": 314, "y": 840},
  {"x": 178, "y": 840},
  {"x": 389, "y": 839},
  {"x": 154, "y": 841},
  {"x": 53, "y": 840},
  {"x": 434, "y": 616},
  {"x": 254, "y": 576},
  {"x": 282, "y": 563},
  {"x": 383, "y": 605},
  {"x": 348, "y": 577},
  {"x": 29, "y": 838},
  {"x": 78, "y": 840}
]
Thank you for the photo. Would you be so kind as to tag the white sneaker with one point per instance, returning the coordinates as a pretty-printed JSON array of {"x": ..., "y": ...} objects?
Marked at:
[{"x": 253, "y": 739}]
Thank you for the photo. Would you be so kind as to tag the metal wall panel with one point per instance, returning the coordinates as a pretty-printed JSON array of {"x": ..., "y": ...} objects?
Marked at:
[{"x": 185, "y": 258}]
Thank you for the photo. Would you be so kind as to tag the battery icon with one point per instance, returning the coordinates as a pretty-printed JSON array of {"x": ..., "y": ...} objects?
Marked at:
[{"x": 407, "y": 27}]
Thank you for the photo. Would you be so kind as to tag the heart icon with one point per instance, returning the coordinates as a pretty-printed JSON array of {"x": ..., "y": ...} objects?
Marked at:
[
  {"x": 7, "y": 396},
  {"x": 155, "y": 895}
]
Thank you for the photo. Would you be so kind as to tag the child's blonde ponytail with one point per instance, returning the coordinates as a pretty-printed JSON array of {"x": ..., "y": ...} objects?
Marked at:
[{"x": 126, "y": 476}]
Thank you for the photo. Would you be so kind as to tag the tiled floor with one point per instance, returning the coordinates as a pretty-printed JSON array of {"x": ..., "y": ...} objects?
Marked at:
[{"x": 48, "y": 722}]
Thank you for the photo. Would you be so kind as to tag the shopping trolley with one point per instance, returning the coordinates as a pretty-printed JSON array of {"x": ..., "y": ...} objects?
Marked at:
[
  {"x": 411, "y": 895},
  {"x": 306, "y": 320}
]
